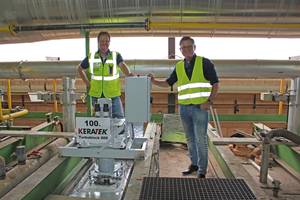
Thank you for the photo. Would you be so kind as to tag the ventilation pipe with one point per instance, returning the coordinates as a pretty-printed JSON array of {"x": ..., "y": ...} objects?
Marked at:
[{"x": 234, "y": 69}]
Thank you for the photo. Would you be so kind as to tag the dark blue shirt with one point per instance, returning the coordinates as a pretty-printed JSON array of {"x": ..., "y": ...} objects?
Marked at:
[
  {"x": 209, "y": 71},
  {"x": 85, "y": 63}
]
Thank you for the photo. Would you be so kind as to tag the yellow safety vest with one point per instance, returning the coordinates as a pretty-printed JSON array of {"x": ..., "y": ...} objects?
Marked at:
[
  {"x": 104, "y": 79},
  {"x": 194, "y": 91}
]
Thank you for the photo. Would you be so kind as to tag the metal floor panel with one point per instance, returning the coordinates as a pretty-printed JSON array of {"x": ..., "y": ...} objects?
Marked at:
[{"x": 194, "y": 188}]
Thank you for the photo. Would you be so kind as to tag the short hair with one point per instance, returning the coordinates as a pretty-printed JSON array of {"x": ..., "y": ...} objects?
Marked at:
[
  {"x": 103, "y": 33},
  {"x": 186, "y": 38}
]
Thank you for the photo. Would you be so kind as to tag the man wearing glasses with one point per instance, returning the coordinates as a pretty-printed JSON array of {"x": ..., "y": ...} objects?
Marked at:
[
  {"x": 104, "y": 68},
  {"x": 197, "y": 85}
]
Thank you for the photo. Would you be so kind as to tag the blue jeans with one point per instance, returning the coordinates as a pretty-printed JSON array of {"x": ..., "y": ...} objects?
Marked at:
[
  {"x": 117, "y": 107},
  {"x": 195, "y": 122}
]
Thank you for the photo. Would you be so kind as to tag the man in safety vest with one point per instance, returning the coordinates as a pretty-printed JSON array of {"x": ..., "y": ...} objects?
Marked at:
[
  {"x": 197, "y": 85},
  {"x": 104, "y": 68}
]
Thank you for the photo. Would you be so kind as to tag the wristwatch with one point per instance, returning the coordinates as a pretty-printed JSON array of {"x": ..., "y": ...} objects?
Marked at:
[{"x": 210, "y": 101}]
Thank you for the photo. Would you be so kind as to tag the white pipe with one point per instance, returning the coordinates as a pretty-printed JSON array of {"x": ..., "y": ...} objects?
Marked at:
[
  {"x": 297, "y": 110},
  {"x": 292, "y": 108},
  {"x": 246, "y": 69},
  {"x": 221, "y": 134},
  {"x": 258, "y": 169},
  {"x": 213, "y": 116},
  {"x": 68, "y": 104}
]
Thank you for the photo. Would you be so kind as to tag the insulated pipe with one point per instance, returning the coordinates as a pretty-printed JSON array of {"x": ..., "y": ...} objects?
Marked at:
[
  {"x": 294, "y": 111},
  {"x": 21, "y": 172},
  {"x": 245, "y": 69},
  {"x": 69, "y": 104},
  {"x": 297, "y": 110},
  {"x": 266, "y": 148},
  {"x": 292, "y": 118}
]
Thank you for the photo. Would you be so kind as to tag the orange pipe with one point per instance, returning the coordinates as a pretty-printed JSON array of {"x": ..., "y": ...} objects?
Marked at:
[{"x": 281, "y": 91}]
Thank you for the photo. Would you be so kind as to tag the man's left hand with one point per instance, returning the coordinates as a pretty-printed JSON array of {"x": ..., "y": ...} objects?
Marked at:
[{"x": 205, "y": 105}]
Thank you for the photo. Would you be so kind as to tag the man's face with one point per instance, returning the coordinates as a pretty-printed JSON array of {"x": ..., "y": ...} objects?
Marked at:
[
  {"x": 103, "y": 43},
  {"x": 187, "y": 48}
]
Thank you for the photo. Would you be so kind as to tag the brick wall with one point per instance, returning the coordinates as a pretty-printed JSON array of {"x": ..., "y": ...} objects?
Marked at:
[{"x": 224, "y": 104}]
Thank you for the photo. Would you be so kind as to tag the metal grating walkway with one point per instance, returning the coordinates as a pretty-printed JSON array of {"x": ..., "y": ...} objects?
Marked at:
[{"x": 194, "y": 188}]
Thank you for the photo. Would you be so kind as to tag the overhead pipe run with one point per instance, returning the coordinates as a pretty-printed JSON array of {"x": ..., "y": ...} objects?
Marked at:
[
  {"x": 235, "y": 69},
  {"x": 13, "y": 28},
  {"x": 222, "y": 25}
]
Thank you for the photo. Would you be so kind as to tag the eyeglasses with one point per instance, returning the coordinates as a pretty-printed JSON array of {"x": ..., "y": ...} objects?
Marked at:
[
  {"x": 188, "y": 47},
  {"x": 102, "y": 41}
]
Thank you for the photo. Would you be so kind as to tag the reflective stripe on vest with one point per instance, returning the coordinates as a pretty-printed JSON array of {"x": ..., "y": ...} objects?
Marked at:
[
  {"x": 93, "y": 60},
  {"x": 193, "y": 85},
  {"x": 195, "y": 90},
  {"x": 193, "y": 95}
]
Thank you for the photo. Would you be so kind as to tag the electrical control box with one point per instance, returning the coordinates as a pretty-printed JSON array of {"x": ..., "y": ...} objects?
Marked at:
[{"x": 137, "y": 99}]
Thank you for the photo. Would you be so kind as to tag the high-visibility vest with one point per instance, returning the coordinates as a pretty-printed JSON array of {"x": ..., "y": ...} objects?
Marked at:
[
  {"x": 194, "y": 91},
  {"x": 104, "y": 79}
]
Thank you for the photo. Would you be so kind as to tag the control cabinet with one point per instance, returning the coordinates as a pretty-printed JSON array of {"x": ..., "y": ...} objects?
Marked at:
[{"x": 137, "y": 99}]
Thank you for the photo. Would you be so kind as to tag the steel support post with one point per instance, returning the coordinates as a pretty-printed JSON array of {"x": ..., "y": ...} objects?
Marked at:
[
  {"x": 294, "y": 112},
  {"x": 87, "y": 51},
  {"x": 68, "y": 104}
]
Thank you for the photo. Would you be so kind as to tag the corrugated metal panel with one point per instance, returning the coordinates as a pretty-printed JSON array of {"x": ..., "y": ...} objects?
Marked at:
[{"x": 56, "y": 12}]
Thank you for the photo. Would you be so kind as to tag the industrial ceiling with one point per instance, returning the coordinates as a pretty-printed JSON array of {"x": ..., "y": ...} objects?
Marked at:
[{"x": 213, "y": 18}]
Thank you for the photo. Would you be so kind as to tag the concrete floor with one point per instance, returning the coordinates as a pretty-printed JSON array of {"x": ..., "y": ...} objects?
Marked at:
[{"x": 174, "y": 158}]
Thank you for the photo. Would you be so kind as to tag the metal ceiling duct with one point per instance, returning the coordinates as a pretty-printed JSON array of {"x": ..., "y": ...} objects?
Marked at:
[
  {"x": 245, "y": 69},
  {"x": 54, "y": 12}
]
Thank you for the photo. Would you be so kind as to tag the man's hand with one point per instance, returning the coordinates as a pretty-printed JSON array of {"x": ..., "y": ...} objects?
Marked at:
[
  {"x": 131, "y": 74},
  {"x": 151, "y": 75},
  {"x": 205, "y": 105}
]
